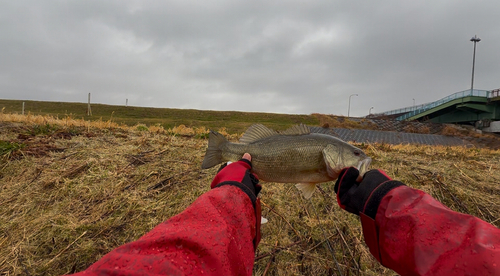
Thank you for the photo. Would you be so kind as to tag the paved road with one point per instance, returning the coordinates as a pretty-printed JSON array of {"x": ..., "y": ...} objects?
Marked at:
[{"x": 393, "y": 137}]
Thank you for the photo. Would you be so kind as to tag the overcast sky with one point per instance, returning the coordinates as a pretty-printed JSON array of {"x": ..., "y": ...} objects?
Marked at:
[{"x": 297, "y": 57}]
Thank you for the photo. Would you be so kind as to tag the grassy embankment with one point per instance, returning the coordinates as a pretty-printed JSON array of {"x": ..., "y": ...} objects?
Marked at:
[
  {"x": 73, "y": 190},
  {"x": 232, "y": 121}
]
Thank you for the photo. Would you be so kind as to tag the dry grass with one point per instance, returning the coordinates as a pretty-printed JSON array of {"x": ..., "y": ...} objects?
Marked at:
[
  {"x": 413, "y": 129},
  {"x": 342, "y": 122},
  {"x": 75, "y": 190}
]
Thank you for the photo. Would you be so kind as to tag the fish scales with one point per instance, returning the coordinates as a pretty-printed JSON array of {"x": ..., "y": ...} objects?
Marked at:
[{"x": 289, "y": 159}]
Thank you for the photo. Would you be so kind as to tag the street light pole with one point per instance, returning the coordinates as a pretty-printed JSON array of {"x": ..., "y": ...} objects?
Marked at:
[
  {"x": 413, "y": 102},
  {"x": 475, "y": 39},
  {"x": 370, "y": 111},
  {"x": 349, "y": 108}
]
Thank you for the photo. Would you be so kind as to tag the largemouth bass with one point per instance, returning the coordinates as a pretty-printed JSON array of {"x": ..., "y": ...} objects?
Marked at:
[{"x": 301, "y": 154}]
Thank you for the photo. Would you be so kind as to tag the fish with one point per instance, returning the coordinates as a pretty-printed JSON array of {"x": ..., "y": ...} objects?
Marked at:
[{"x": 301, "y": 154}]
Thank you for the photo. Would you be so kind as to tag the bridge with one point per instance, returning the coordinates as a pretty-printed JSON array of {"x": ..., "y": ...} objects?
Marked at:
[{"x": 472, "y": 107}]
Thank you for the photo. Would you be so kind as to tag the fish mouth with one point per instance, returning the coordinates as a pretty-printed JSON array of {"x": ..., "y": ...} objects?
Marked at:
[{"x": 363, "y": 165}]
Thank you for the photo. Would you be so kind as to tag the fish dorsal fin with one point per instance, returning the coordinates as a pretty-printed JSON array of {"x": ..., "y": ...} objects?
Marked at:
[
  {"x": 257, "y": 132},
  {"x": 297, "y": 130},
  {"x": 323, "y": 130}
]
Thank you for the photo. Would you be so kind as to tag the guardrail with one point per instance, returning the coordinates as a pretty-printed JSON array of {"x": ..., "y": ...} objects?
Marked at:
[
  {"x": 414, "y": 110},
  {"x": 494, "y": 93}
]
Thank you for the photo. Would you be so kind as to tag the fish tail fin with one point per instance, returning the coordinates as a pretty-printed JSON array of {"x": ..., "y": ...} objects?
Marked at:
[
  {"x": 213, "y": 156},
  {"x": 307, "y": 189}
]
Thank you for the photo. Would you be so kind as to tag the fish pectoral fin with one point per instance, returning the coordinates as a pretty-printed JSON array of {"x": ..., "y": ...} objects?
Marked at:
[
  {"x": 307, "y": 189},
  {"x": 329, "y": 154}
]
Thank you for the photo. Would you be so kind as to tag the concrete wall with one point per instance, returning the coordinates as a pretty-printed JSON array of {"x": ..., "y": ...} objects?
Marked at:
[{"x": 494, "y": 127}]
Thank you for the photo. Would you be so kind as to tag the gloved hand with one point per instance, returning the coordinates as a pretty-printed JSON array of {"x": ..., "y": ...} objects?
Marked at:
[
  {"x": 365, "y": 196},
  {"x": 239, "y": 174}
]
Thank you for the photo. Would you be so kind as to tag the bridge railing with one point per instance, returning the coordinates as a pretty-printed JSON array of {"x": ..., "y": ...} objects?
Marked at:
[
  {"x": 494, "y": 93},
  {"x": 414, "y": 110}
]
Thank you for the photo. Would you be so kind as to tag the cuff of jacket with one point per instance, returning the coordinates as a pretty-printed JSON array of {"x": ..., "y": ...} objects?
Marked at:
[
  {"x": 373, "y": 201},
  {"x": 242, "y": 186}
]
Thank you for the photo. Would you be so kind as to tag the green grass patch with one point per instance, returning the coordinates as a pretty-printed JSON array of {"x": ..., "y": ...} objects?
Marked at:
[
  {"x": 7, "y": 148},
  {"x": 45, "y": 129},
  {"x": 142, "y": 128}
]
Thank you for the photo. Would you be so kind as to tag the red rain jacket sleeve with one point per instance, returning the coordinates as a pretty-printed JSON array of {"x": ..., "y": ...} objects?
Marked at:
[
  {"x": 213, "y": 236},
  {"x": 414, "y": 234}
]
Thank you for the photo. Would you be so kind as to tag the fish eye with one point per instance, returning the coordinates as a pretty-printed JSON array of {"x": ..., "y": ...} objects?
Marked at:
[{"x": 357, "y": 153}]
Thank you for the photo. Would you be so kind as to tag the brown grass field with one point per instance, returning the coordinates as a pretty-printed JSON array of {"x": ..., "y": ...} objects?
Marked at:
[{"x": 73, "y": 190}]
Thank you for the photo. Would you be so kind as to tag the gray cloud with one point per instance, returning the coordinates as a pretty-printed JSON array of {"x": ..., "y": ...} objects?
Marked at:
[{"x": 272, "y": 56}]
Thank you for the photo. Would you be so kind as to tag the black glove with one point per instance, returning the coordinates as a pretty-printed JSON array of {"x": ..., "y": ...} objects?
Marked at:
[
  {"x": 238, "y": 174},
  {"x": 365, "y": 196}
]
